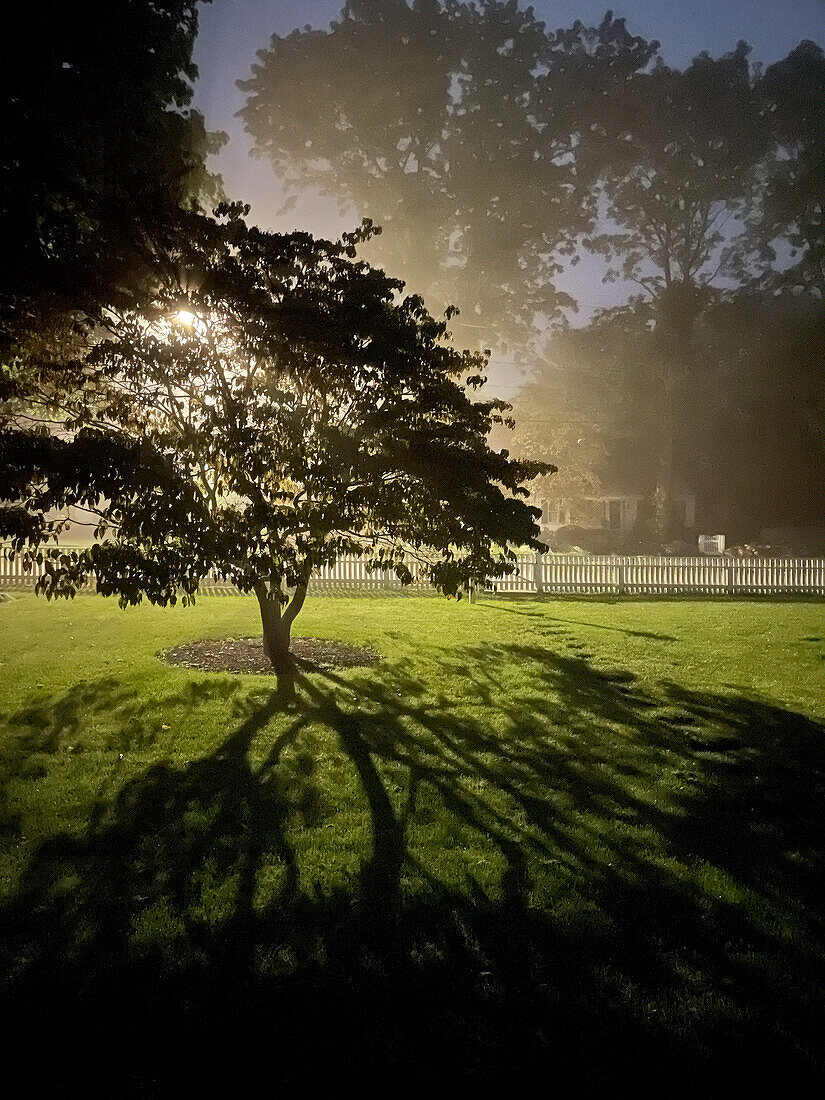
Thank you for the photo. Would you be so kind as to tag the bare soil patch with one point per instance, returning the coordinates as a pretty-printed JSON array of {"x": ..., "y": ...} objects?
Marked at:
[{"x": 247, "y": 655}]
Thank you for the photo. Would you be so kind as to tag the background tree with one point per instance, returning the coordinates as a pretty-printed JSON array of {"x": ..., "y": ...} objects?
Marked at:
[
  {"x": 593, "y": 404},
  {"x": 681, "y": 190},
  {"x": 793, "y": 100},
  {"x": 757, "y": 412},
  {"x": 296, "y": 410},
  {"x": 560, "y": 415},
  {"x": 463, "y": 142},
  {"x": 749, "y": 425},
  {"x": 495, "y": 150},
  {"x": 98, "y": 142}
]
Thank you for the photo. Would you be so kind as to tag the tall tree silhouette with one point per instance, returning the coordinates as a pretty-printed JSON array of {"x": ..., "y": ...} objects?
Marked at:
[
  {"x": 456, "y": 127},
  {"x": 681, "y": 192},
  {"x": 793, "y": 99},
  {"x": 97, "y": 142}
]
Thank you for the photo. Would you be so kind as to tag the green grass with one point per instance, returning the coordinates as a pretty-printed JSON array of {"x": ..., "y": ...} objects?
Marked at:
[{"x": 580, "y": 837}]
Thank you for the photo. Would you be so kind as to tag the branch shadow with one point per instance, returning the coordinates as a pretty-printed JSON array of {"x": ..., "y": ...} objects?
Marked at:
[
  {"x": 627, "y": 631},
  {"x": 584, "y": 878}
]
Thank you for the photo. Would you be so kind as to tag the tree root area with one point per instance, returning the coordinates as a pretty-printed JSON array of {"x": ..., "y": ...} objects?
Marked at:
[{"x": 247, "y": 655}]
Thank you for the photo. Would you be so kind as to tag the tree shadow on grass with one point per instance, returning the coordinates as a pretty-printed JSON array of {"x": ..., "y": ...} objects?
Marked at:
[
  {"x": 654, "y": 636},
  {"x": 581, "y": 878}
]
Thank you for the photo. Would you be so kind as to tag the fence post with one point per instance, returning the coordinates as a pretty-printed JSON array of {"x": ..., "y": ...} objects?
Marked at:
[
  {"x": 620, "y": 577},
  {"x": 538, "y": 572}
]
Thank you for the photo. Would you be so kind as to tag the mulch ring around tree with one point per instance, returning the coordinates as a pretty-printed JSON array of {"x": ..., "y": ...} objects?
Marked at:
[{"x": 247, "y": 655}]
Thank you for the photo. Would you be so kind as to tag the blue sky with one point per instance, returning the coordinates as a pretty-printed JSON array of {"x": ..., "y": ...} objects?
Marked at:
[{"x": 232, "y": 31}]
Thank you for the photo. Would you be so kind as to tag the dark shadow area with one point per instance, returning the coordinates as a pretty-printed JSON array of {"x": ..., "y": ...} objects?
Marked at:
[
  {"x": 547, "y": 595},
  {"x": 616, "y": 629},
  {"x": 595, "y": 626},
  {"x": 53, "y": 724},
  {"x": 659, "y": 923}
]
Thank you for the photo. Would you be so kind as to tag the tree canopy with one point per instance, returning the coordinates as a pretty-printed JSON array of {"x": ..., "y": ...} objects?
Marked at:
[
  {"x": 793, "y": 100},
  {"x": 679, "y": 179},
  {"x": 272, "y": 404},
  {"x": 98, "y": 142},
  {"x": 464, "y": 142}
]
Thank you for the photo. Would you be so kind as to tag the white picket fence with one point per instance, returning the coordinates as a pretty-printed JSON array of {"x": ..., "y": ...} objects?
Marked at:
[{"x": 562, "y": 575}]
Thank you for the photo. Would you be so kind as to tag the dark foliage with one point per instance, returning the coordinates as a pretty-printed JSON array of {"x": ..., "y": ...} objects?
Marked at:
[
  {"x": 97, "y": 144},
  {"x": 793, "y": 99}
]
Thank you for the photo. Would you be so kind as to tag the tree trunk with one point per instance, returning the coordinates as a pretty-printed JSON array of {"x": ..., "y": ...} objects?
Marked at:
[
  {"x": 663, "y": 493},
  {"x": 677, "y": 311},
  {"x": 276, "y": 633},
  {"x": 276, "y": 623}
]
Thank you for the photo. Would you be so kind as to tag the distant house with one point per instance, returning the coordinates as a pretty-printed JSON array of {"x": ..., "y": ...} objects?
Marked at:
[
  {"x": 621, "y": 508},
  {"x": 621, "y": 480},
  {"x": 553, "y": 514},
  {"x": 615, "y": 510}
]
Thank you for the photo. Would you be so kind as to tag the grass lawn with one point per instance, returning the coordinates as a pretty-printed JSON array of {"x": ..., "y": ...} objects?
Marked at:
[{"x": 579, "y": 838}]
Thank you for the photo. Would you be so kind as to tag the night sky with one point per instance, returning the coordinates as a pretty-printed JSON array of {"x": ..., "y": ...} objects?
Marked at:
[{"x": 232, "y": 31}]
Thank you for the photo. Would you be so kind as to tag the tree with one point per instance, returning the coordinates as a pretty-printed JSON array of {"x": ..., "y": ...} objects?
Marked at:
[
  {"x": 681, "y": 183},
  {"x": 561, "y": 414},
  {"x": 272, "y": 404},
  {"x": 593, "y": 404},
  {"x": 793, "y": 100},
  {"x": 757, "y": 412},
  {"x": 749, "y": 420},
  {"x": 98, "y": 142},
  {"x": 457, "y": 128}
]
